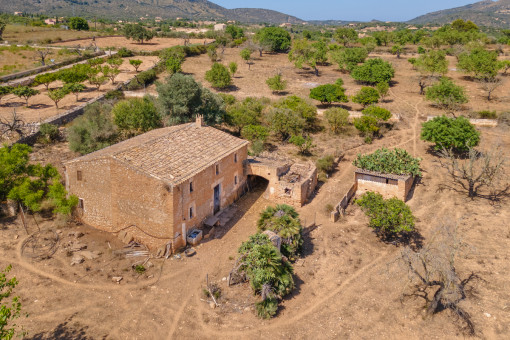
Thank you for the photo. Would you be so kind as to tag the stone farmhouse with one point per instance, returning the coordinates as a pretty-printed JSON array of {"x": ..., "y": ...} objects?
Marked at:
[{"x": 160, "y": 185}]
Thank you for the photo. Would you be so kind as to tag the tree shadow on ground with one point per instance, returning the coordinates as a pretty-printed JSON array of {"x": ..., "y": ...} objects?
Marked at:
[
  {"x": 64, "y": 331},
  {"x": 413, "y": 239},
  {"x": 40, "y": 106},
  {"x": 231, "y": 88}
]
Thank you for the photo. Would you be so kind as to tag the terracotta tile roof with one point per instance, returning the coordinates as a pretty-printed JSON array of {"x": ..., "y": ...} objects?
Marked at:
[{"x": 173, "y": 154}]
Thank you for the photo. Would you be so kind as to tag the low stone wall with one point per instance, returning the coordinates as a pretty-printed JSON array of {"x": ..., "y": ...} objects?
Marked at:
[
  {"x": 66, "y": 116},
  {"x": 42, "y": 69},
  {"x": 395, "y": 117},
  {"x": 340, "y": 207},
  {"x": 476, "y": 122}
]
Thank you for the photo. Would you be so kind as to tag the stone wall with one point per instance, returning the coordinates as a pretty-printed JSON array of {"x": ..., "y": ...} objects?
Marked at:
[
  {"x": 202, "y": 197},
  {"x": 119, "y": 198},
  {"x": 386, "y": 185}
]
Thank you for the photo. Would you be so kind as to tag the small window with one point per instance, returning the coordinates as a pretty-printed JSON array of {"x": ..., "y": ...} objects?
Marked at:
[
  {"x": 190, "y": 186},
  {"x": 80, "y": 203},
  {"x": 235, "y": 158},
  {"x": 78, "y": 175},
  {"x": 235, "y": 179},
  {"x": 191, "y": 212},
  {"x": 217, "y": 169}
]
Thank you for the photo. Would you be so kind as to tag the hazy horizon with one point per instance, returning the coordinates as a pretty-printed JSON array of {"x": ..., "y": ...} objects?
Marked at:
[{"x": 363, "y": 10}]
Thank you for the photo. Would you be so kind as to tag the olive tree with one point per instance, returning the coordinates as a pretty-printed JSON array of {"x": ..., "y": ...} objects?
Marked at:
[
  {"x": 373, "y": 71},
  {"x": 447, "y": 95}
]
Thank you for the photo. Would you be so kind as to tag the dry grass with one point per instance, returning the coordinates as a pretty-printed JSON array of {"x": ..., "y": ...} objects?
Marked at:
[{"x": 37, "y": 35}]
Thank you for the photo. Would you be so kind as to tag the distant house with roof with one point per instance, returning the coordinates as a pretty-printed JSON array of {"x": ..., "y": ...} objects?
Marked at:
[{"x": 159, "y": 185}]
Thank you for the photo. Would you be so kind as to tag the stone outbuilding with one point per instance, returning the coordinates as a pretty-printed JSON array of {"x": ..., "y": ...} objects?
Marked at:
[
  {"x": 160, "y": 185},
  {"x": 289, "y": 183},
  {"x": 388, "y": 185}
]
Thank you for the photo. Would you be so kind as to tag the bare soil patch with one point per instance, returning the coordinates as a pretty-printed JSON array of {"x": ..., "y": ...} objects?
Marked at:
[
  {"x": 117, "y": 42},
  {"x": 42, "y": 107},
  {"x": 36, "y": 35}
]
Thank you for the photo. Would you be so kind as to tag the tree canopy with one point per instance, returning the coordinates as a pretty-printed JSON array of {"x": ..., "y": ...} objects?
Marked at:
[
  {"x": 77, "y": 23},
  {"x": 329, "y": 93},
  {"x": 446, "y": 133},
  {"x": 138, "y": 32},
  {"x": 181, "y": 98},
  {"x": 374, "y": 71},
  {"x": 447, "y": 94},
  {"x": 276, "y": 39},
  {"x": 136, "y": 115}
]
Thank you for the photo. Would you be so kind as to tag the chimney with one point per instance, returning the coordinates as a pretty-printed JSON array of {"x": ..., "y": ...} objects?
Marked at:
[{"x": 199, "y": 120}]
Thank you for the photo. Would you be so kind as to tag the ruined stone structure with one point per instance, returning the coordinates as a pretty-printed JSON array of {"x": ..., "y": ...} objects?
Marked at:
[
  {"x": 288, "y": 183},
  {"x": 160, "y": 185},
  {"x": 387, "y": 185}
]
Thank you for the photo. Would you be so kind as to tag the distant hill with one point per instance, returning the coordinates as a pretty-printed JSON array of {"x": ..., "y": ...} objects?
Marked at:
[
  {"x": 484, "y": 13},
  {"x": 131, "y": 9}
]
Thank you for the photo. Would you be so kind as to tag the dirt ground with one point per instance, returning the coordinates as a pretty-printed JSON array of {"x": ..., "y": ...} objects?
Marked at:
[
  {"x": 36, "y": 35},
  {"x": 347, "y": 286},
  {"x": 16, "y": 59},
  {"x": 117, "y": 42},
  {"x": 252, "y": 82},
  {"x": 42, "y": 107}
]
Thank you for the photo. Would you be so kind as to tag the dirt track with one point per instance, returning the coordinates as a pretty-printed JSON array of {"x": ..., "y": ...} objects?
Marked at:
[{"x": 346, "y": 285}]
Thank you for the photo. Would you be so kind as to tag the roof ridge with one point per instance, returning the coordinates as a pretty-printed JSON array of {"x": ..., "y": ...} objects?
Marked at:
[{"x": 156, "y": 139}]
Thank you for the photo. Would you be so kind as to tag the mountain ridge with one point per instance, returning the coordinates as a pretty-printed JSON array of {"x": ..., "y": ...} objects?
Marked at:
[
  {"x": 484, "y": 13},
  {"x": 131, "y": 9}
]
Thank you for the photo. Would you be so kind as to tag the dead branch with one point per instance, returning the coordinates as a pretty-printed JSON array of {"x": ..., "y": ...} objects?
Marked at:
[
  {"x": 433, "y": 267},
  {"x": 476, "y": 172},
  {"x": 13, "y": 124}
]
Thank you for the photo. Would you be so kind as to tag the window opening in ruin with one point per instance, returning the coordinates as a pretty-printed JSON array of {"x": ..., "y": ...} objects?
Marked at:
[
  {"x": 217, "y": 169},
  {"x": 191, "y": 212},
  {"x": 235, "y": 158},
  {"x": 288, "y": 191},
  {"x": 80, "y": 203},
  {"x": 190, "y": 186},
  {"x": 387, "y": 181},
  {"x": 235, "y": 180},
  {"x": 78, "y": 175}
]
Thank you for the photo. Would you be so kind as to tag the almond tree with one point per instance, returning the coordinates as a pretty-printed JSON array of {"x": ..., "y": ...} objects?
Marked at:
[
  {"x": 24, "y": 92},
  {"x": 57, "y": 95},
  {"x": 135, "y": 63}
]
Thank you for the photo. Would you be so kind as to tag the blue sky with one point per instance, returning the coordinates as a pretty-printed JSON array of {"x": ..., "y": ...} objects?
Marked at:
[{"x": 362, "y": 10}]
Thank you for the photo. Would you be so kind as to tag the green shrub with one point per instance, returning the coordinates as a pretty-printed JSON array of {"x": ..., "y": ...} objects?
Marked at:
[
  {"x": 367, "y": 126},
  {"x": 329, "y": 93},
  {"x": 134, "y": 116},
  {"x": 142, "y": 79},
  {"x": 267, "y": 308},
  {"x": 94, "y": 130},
  {"x": 305, "y": 144},
  {"x": 377, "y": 112},
  {"x": 396, "y": 162},
  {"x": 337, "y": 119},
  {"x": 457, "y": 133},
  {"x": 285, "y": 122},
  {"x": 366, "y": 96},
  {"x": 219, "y": 76},
  {"x": 302, "y": 109},
  {"x": 446, "y": 94},
  {"x": 49, "y": 132},
  {"x": 326, "y": 164},
  {"x": 139, "y": 269},
  {"x": 487, "y": 114},
  {"x": 388, "y": 217},
  {"x": 284, "y": 221},
  {"x": 228, "y": 99},
  {"x": 374, "y": 71},
  {"x": 276, "y": 83}
]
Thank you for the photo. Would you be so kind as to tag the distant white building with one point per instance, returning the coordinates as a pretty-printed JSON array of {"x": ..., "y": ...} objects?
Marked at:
[
  {"x": 18, "y": 14},
  {"x": 286, "y": 25},
  {"x": 50, "y": 21},
  {"x": 220, "y": 27}
]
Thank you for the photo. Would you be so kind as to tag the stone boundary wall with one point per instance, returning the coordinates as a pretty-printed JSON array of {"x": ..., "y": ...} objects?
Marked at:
[
  {"x": 41, "y": 69},
  {"x": 475, "y": 122},
  {"x": 96, "y": 37},
  {"x": 69, "y": 115},
  {"x": 340, "y": 207}
]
